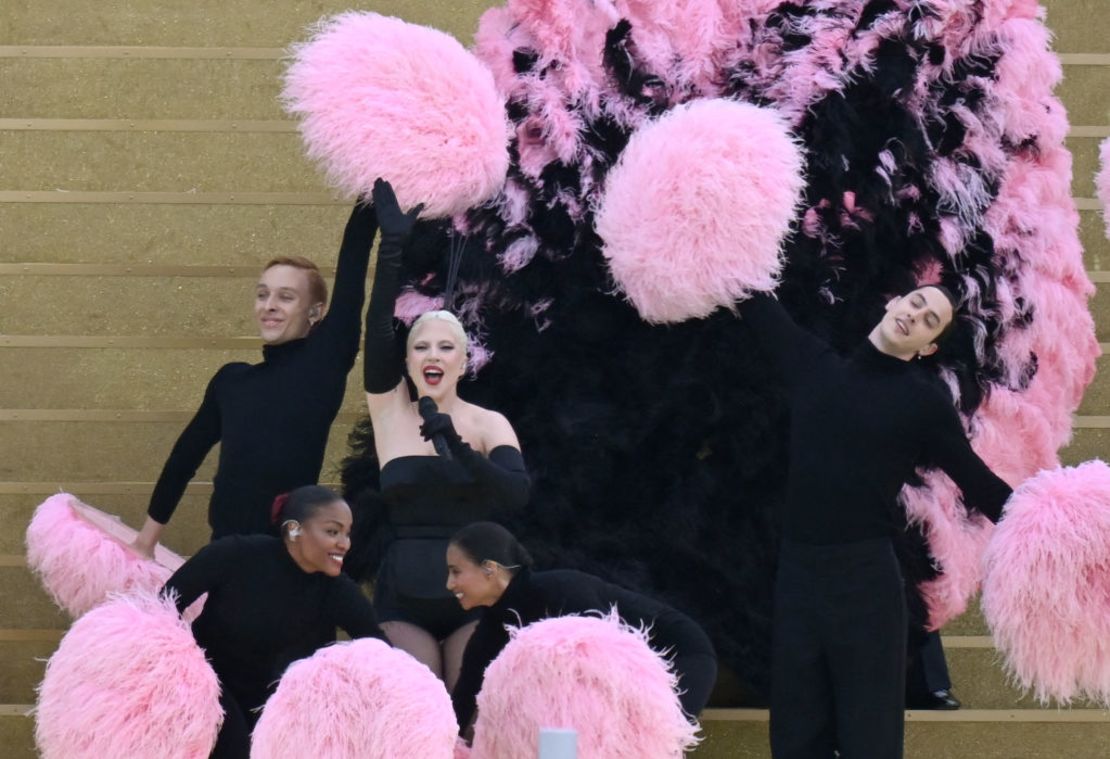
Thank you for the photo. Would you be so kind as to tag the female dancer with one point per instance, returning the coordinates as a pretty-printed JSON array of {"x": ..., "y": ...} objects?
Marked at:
[
  {"x": 859, "y": 426},
  {"x": 272, "y": 419},
  {"x": 488, "y": 568},
  {"x": 270, "y": 602},
  {"x": 478, "y": 470}
]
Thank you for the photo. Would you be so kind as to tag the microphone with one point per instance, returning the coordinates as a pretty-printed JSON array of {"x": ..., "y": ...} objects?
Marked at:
[{"x": 428, "y": 408}]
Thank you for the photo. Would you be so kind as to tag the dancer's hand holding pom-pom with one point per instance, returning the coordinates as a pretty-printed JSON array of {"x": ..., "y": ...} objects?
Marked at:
[
  {"x": 696, "y": 210},
  {"x": 82, "y": 555},
  {"x": 1046, "y": 586},
  {"x": 396, "y": 225}
]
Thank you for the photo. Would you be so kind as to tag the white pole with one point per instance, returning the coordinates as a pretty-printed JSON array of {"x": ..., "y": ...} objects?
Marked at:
[{"x": 556, "y": 743}]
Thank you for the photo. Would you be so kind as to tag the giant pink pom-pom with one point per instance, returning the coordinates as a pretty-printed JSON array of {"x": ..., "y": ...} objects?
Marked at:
[
  {"x": 1102, "y": 182},
  {"x": 1046, "y": 591},
  {"x": 128, "y": 681},
  {"x": 696, "y": 210},
  {"x": 592, "y": 675},
  {"x": 81, "y": 555},
  {"x": 379, "y": 97},
  {"x": 354, "y": 700}
]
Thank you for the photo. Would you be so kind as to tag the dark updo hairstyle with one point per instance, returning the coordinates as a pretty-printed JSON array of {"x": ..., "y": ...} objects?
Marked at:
[
  {"x": 300, "y": 504},
  {"x": 489, "y": 541}
]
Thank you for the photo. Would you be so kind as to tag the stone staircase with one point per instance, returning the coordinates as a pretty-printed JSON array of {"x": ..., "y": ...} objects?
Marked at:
[{"x": 122, "y": 294}]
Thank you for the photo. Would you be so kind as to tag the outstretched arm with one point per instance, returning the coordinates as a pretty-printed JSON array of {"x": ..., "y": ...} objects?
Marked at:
[
  {"x": 483, "y": 647},
  {"x": 196, "y": 440},
  {"x": 983, "y": 490},
  {"x": 790, "y": 347},
  {"x": 352, "y": 612},
  {"x": 381, "y": 360},
  {"x": 341, "y": 324},
  {"x": 202, "y": 572}
]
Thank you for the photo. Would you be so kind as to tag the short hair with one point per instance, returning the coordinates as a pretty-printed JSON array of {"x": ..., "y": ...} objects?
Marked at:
[
  {"x": 317, "y": 287},
  {"x": 489, "y": 541},
  {"x": 302, "y": 503},
  {"x": 445, "y": 316}
]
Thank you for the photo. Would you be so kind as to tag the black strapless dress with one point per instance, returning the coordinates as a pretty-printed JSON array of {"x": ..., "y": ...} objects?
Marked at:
[{"x": 427, "y": 499}]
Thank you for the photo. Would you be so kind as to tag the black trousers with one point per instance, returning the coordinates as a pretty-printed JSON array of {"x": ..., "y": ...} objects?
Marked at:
[
  {"x": 839, "y": 652},
  {"x": 234, "y": 738},
  {"x": 927, "y": 669}
]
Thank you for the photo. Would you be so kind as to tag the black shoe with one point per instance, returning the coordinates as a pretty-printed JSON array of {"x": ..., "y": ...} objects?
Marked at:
[{"x": 938, "y": 700}]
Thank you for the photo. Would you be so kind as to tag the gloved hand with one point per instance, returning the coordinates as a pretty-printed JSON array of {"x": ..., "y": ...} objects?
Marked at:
[
  {"x": 441, "y": 424},
  {"x": 395, "y": 225}
]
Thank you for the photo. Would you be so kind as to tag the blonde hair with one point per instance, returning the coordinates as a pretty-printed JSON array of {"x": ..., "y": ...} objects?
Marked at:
[{"x": 445, "y": 316}]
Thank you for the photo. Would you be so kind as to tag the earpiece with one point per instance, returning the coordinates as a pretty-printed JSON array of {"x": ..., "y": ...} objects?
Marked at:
[{"x": 294, "y": 529}]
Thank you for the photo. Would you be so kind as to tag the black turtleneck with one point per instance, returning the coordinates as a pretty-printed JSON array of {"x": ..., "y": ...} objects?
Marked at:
[
  {"x": 532, "y": 596},
  {"x": 272, "y": 419},
  {"x": 263, "y": 611},
  {"x": 860, "y": 425}
]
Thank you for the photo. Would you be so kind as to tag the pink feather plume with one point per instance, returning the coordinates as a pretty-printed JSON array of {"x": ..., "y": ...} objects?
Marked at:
[
  {"x": 1046, "y": 590},
  {"x": 128, "y": 680},
  {"x": 357, "y": 699},
  {"x": 696, "y": 210},
  {"x": 81, "y": 556},
  {"x": 379, "y": 97},
  {"x": 594, "y": 675}
]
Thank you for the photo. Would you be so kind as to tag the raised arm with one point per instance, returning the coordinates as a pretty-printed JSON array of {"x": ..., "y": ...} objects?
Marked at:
[
  {"x": 381, "y": 359},
  {"x": 949, "y": 449},
  {"x": 790, "y": 347},
  {"x": 196, "y": 440},
  {"x": 341, "y": 324}
]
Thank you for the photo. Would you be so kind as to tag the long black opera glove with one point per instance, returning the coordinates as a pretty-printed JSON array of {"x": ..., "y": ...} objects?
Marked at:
[
  {"x": 503, "y": 472},
  {"x": 381, "y": 369}
]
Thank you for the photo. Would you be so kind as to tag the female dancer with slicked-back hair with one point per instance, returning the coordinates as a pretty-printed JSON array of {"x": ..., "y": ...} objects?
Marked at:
[
  {"x": 488, "y": 569},
  {"x": 270, "y": 602},
  {"x": 272, "y": 419},
  {"x": 478, "y": 468}
]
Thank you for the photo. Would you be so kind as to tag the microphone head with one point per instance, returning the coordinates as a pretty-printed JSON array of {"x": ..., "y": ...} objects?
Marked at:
[{"x": 426, "y": 406}]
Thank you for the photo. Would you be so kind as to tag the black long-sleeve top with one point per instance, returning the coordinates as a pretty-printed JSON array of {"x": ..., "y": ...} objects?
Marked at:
[
  {"x": 532, "y": 596},
  {"x": 263, "y": 611},
  {"x": 272, "y": 419},
  {"x": 860, "y": 424}
]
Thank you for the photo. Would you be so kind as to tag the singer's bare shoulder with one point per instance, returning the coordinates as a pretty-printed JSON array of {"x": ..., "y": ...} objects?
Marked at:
[{"x": 494, "y": 429}]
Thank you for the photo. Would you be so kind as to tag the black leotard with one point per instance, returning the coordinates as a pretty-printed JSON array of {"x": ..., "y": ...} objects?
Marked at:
[
  {"x": 532, "y": 596},
  {"x": 427, "y": 499},
  {"x": 859, "y": 426},
  {"x": 272, "y": 419},
  {"x": 263, "y": 612}
]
